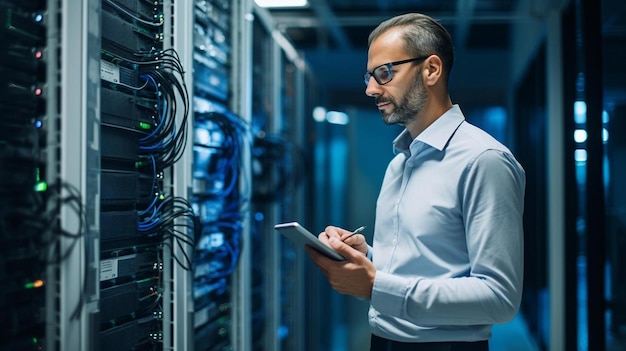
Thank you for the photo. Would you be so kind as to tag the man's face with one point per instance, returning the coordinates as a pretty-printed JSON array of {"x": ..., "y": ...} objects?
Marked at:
[
  {"x": 400, "y": 100},
  {"x": 411, "y": 103}
]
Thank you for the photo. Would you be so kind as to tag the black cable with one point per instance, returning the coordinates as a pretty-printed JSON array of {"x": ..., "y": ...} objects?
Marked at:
[
  {"x": 165, "y": 226},
  {"x": 164, "y": 69}
]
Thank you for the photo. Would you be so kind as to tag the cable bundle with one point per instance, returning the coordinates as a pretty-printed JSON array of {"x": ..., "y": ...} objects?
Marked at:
[
  {"x": 31, "y": 226},
  {"x": 35, "y": 217},
  {"x": 227, "y": 151},
  {"x": 219, "y": 139},
  {"x": 161, "y": 147},
  {"x": 221, "y": 257},
  {"x": 162, "y": 220},
  {"x": 165, "y": 142},
  {"x": 158, "y": 74}
]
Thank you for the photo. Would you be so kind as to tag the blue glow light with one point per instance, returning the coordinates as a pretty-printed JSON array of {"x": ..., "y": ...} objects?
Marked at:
[{"x": 336, "y": 117}]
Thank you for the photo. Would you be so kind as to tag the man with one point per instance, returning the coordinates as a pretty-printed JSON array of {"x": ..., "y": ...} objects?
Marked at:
[{"x": 446, "y": 261}]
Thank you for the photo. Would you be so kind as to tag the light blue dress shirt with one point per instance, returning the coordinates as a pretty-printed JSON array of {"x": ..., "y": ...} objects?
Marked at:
[{"x": 448, "y": 239}]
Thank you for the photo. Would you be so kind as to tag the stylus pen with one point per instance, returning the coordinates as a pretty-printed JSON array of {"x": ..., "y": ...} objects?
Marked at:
[{"x": 356, "y": 231}]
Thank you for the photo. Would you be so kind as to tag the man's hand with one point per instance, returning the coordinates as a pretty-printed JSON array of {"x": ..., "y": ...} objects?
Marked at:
[
  {"x": 356, "y": 241},
  {"x": 355, "y": 275}
]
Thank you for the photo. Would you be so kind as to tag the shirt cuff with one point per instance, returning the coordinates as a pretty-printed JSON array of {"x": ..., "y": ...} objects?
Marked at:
[{"x": 389, "y": 293}]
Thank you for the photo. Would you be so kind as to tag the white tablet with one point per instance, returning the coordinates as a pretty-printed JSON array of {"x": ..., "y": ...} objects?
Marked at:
[{"x": 299, "y": 235}]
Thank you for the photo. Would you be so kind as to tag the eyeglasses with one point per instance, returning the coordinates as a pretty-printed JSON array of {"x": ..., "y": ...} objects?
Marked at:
[{"x": 383, "y": 73}]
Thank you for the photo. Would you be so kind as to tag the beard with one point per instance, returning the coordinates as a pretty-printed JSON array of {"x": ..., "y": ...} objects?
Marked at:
[{"x": 407, "y": 110}]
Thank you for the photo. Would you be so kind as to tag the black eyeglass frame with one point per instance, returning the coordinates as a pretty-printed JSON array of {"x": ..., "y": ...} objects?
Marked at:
[{"x": 368, "y": 75}]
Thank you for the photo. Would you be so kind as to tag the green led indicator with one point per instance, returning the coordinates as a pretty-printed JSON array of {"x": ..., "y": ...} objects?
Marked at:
[
  {"x": 144, "y": 125},
  {"x": 41, "y": 186}
]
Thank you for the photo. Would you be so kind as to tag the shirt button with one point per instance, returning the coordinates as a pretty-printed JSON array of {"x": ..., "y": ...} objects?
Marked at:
[{"x": 394, "y": 241}]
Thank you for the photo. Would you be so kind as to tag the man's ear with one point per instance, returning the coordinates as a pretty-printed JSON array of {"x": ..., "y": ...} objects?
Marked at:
[{"x": 433, "y": 70}]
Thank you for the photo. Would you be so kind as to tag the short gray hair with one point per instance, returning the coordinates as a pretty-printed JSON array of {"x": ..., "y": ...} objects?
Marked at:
[{"x": 422, "y": 36}]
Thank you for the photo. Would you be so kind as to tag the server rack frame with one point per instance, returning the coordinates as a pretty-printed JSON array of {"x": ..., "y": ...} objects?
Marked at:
[
  {"x": 241, "y": 104},
  {"x": 74, "y": 47},
  {"x": 179, "y": 291}
]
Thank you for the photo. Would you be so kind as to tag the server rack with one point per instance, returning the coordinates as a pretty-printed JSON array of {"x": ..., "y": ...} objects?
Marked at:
[
  {"x": 219, "y": 187},
  {"x": 278, "y": 169},
  {"x": 107, "y": 173},
  {"x": 147, "y": 222},
  {"x": 24, "y": 194}
]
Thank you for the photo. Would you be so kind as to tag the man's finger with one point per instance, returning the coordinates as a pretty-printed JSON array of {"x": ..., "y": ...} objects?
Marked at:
[{"x": 347, "y": 251}]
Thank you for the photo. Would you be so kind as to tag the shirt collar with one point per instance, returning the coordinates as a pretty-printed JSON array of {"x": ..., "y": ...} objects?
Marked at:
[{"x": 436, "y": 135}]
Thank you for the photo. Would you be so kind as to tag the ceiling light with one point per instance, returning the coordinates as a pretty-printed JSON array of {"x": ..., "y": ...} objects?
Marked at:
[{"x": 282, "y": 3}]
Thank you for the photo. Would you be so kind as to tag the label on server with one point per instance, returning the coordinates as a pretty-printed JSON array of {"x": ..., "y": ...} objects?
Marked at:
[
  {"x": 109, "y": 72},
  {"x": 108, "y": 269}
]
